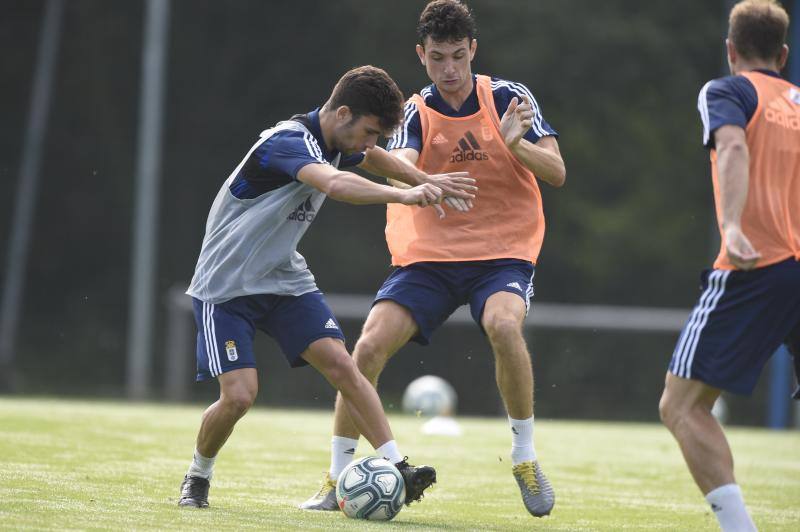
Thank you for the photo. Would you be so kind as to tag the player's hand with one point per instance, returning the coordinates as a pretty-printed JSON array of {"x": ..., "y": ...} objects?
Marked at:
[
  {"x": 457, "y": 204},
  {"x": 516, "y": 121},
  {"x": 455, "y": 184},
  {"x": 740, "y": 251},
  {"x": 422, "y": 195}
]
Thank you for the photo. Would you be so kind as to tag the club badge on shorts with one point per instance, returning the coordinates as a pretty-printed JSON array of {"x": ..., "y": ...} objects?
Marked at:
[{"x": 230, "y": 349}]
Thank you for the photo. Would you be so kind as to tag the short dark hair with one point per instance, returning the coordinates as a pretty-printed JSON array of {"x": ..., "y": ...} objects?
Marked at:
[
  {"x": 757, "y": 29},
  {"x": 446, "y": 21},
  {"x": 369, "y": 90}
]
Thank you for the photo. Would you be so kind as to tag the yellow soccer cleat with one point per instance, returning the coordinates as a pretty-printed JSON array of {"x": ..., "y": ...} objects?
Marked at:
[
  {"x": 325, "y": 499},
  {"x": 537, "y": 493}
]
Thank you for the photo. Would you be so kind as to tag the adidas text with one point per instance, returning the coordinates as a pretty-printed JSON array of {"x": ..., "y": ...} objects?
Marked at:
[{"x": 469, "y": 156}]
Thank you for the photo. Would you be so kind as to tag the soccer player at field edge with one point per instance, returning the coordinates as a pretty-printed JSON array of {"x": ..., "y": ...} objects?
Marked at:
[
  {"x": 484, "y": 257},
  {"x": 750, "y": 300},
  {"x": 250, "y": 276}
]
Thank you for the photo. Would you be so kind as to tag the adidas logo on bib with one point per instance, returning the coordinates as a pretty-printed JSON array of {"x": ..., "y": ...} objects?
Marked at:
[
  {"x": 515, "y": 285},
  {"x": 304, "y": 212},
  {"x": 784, "y": 111},
  {"x": 468, "y": 149},
  {"x": 330, "y": 324}
]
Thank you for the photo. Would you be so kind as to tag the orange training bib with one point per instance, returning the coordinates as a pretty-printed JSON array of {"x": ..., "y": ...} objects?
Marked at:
[
  {"x": 771, "y": 215},
  {"x": 506, "y": 221}
]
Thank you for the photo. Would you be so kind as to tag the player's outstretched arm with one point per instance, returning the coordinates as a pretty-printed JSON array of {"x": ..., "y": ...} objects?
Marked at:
[
  {"x": 544, "y": 157},
  {"x": 352, "y": 188},
  {"x": 401, "y": 168},
  {"x": 733, "y": 164}
]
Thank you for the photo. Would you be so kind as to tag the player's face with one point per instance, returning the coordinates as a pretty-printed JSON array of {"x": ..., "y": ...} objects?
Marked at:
[
  {"x": 448, "y": 63},
  {"x": 357, "y": 135}
]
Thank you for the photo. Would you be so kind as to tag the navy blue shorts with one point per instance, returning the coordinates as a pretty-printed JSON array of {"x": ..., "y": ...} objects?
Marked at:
[
  {"x": 229, "y": 328},
  {"x": 434, "y": 290},
  {"x": 742, "y": 318}
]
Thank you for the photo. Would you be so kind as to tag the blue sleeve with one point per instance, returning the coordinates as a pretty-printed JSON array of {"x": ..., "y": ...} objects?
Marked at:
[
  {"x": 726, "y": 101},
  {"x": 289, "y": 151},
  {"x": 352, "y": 160},
  {"x": 409, "y": 133},
  {"x": 504, "y": 91}
]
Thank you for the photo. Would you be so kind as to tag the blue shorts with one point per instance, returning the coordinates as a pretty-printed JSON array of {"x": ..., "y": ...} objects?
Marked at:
[
  {"x": 742, "y": 318},
  {"x": 229, "y": 328},
  {"x": 434, "y": 290}
]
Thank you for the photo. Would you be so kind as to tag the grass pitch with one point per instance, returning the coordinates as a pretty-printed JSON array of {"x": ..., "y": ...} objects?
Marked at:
[{"x": 71, "y": 465}]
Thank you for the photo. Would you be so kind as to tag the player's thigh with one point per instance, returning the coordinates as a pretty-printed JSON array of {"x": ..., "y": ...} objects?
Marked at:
[
  {"x": 389, "y": 326},
  {"x": 296, "y": 322},
  {"x": 502, "y": 293},
  {"x": 329, "y": 356},
  {"x": 503, "y": 307},
  {"x": 423, "y": 291}
]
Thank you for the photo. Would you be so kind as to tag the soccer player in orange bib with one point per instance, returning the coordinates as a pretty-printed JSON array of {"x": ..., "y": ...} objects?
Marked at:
[
  {"x": 483, "y": 256},
  {"x": 751, "y": 298}
]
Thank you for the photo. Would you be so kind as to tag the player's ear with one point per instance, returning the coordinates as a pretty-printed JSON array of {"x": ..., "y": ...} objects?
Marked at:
[
  {"x": 472, "y": 47},
  {"x": 784, "y": 55},
  {"x": 731, "y": 50},
  {"x": 343, "y": 114},
  {"x": 421, "y": 53}
]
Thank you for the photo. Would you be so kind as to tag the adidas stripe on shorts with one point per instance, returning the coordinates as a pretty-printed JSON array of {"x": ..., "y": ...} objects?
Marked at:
[
  {"x": 741, "y": 319},
  {"x": 432, "y": 291},
  {"x": 226, "y": 330}
]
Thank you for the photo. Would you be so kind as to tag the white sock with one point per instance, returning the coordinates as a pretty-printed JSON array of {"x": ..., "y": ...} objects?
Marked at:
[
  {"x": 389, "y": 451},
  {"x": 342, "y": 452},
  {"x": 728, "y": 505},
  {"x": 522, "y": 449},
  {"x": 201, "y": 466}
]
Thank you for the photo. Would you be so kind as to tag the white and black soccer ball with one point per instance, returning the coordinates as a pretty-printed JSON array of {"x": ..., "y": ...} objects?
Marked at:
[
  {"x": 430, "y": 396},
  {"x": 371, "y": 488}
]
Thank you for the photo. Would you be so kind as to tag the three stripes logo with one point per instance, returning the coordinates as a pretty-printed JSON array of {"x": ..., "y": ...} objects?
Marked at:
[
  {"x": 785, "y": 111},
  {"x": 468, "y": 149},
  {"x": 304, "y": 212},
  {"x": 330, "y": 324}
]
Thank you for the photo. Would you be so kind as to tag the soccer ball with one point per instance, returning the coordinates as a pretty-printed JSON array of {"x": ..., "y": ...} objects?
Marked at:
[
  {"x": 430, "y": 396},
  {"x": 371, "y": 488}
]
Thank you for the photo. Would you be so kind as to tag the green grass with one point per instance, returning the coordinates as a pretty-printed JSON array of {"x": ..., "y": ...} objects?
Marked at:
[{"x": 72, "y": 465}]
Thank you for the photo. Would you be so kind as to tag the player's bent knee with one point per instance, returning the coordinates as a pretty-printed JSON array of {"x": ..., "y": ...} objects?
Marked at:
[
  {"x": 502, "y": 327},
  {"x": 370, "y": 357},
  {"x": 238, "y": 390},
  {"x": 675, "y": 411},
  {"x": 665, "y": 410},
  {"x": 239, "y": 401},
  {"x": 342, "y": 372}
]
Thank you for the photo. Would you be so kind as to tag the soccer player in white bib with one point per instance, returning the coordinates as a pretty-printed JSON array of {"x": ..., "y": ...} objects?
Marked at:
[{"x": 250, "y": 276}]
